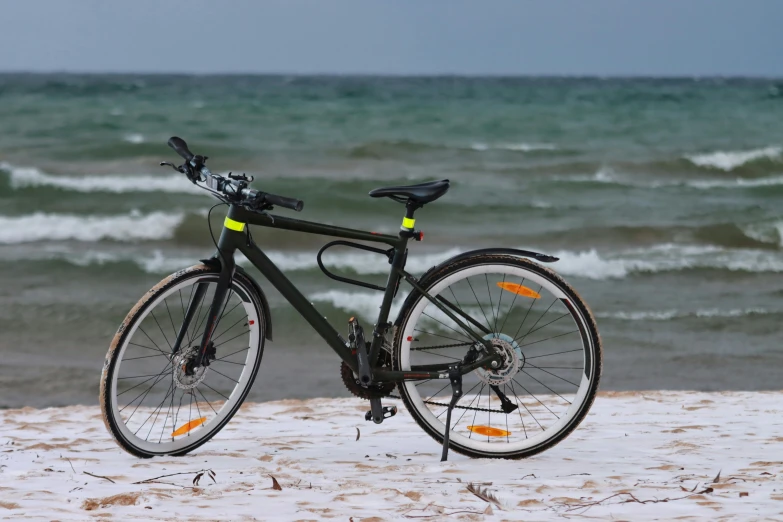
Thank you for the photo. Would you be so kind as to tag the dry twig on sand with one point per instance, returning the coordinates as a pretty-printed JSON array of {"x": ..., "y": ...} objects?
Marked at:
[{"x": 98, "y": 476}]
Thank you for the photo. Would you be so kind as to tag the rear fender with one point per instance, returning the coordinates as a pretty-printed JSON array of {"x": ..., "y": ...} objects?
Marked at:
[{"x": 424, "y": 280}]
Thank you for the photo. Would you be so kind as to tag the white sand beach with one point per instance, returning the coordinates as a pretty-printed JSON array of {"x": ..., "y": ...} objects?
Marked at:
[{"x": 638, "y": 456}]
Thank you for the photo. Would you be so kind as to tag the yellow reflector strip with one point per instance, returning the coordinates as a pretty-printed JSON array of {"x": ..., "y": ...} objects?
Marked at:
[
  {"x": 188, "y": 426},
  {"x": 233, "y": 225},
  {"x": 489, "y": 431},
  {"x": 520, "y": 290},
  {"x": 408, "y": 222}
]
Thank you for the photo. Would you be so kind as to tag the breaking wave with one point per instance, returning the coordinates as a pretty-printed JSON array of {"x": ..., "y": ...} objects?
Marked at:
[{"x": 730, "y": 160}]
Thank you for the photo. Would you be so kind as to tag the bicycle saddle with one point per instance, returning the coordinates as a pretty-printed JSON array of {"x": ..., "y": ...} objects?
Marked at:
[{"x": 421, "y": 193}]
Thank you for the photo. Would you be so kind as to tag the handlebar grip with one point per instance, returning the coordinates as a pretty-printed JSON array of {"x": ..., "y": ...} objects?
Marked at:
[
  {"x": 181, "y": 148},
  {"x": 281, "y": 201}
]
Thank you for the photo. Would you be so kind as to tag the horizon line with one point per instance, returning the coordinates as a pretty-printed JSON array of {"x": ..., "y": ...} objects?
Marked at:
[{"x": 402, "y": 75}]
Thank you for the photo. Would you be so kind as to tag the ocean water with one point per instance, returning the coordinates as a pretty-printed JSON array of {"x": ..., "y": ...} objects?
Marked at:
[{"x": 663, "y": 198}]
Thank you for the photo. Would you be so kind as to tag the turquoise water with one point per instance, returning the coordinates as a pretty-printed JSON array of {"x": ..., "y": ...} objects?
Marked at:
[{"x": 662, "y": 197}]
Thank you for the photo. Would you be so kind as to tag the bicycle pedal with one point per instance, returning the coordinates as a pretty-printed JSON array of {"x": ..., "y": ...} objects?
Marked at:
[{"x": 387, "y": 412}]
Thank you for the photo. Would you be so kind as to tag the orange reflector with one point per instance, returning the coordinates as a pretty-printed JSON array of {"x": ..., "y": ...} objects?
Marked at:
[
  {"x": 489, "y": 431},
  {"x": 520, "y": 290},
  {"x": 188, "y": 426}
]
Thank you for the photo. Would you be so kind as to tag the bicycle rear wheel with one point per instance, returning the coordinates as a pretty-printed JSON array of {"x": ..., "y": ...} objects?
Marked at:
[
  {"x": 156, "y": 402},
  {"x": 551, "y": 348}
]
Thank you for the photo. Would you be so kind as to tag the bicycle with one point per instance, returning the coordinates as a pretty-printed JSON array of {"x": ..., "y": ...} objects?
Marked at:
[{"x": 453, "y": 328}]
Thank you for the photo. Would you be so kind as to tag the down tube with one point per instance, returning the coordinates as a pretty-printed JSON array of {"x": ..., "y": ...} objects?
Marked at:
[{"x": 299, "y": 302}]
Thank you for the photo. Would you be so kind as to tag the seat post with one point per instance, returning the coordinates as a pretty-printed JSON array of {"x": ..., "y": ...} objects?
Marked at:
[{"x": 408, "y": 221}]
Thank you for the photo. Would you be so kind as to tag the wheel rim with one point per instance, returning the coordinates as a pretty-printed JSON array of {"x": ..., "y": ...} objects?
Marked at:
[
  {"x": 551, "y": 384},
  {"x": 161, "y": 413}
]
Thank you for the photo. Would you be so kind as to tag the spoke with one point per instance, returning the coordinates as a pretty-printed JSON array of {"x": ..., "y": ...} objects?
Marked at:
[
  {"x": 173, "y": 328},
  {"x": 497, "y": 316},
  {"x": 489, "y": 407},
  {"x": 171, "y": 386},
  {"x": 153, "y": 412},
  {"x": 437, "y": 392},
  {"x": 478, "y": 404},
  {"x": 468, "y": 407},
  {"x": 547, "y": 387},
  {"x": 198, "y": 409},
  {"x": 539, "y": 318},
  {"x": 176, "y": 415},
  {"x": 532, "y": 302},
  {"x": 232, "y": 353},
  {"x": 422, "y": 382},
  {"x": 467, "y": 279},
  {"x": 152, "y": 313},
  {"x": 553, "y": 375},
  {"x": 169, "y": 411},
  {"x": 516, "y": 399},
  {"x": 229, "y": 362},
  {"x": 142, "y": 399},
  {"x": 444, "y": 324},
  {"x": 222, "y": 313},
  {"x": 153, "y": 342},
  {"x": 559, "y": 367},
  {"x": 140, "y": 376},
  {"x": 224, "y": 342},
  {"x": 142, "y": 382},
  {"x": 146, "y": 357},
  {"x": 148, "y": 348},
  {"x": 224, "y": 375},
  {"x": 547, "y": 339},
  {"x": 536, "y": 398},
  {"x": 198, "y": 316},
  {"x": 214, "y": 390},
  {"x": 555, "y": 353},
  {"x": 544, "y": 325},
  {"x": 491, "y": 306},
  {"x": 190, "y": 410},
  {"x": 210, "y": 404},
  {"x": 436, "y": 335},
  {"x": 229, "y": 328},
  {"x": 512, "y": 303}
]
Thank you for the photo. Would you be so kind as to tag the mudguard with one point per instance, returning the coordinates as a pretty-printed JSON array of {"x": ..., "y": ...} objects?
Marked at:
[{"x": 544, "y": 258}]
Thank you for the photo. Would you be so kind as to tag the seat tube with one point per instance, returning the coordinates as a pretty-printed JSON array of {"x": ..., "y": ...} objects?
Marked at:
[{"x": 392, "y": 283}]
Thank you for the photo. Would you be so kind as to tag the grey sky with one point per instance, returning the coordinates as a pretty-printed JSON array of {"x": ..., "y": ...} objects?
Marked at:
[{"x": 596, "y": 37}]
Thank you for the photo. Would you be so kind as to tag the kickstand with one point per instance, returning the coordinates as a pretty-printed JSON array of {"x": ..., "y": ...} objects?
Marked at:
[{"x": 455, "y": 376}]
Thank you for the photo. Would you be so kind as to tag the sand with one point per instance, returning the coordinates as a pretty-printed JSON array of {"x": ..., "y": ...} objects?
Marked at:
[{"x": 638, "y": 456}]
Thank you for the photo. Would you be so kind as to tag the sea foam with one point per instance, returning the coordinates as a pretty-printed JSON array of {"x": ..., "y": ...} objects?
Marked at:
[
  {"x": 730, "y": 160},
  {"x": 42, "y": 226},
  {"x": 22, "y": 177}
]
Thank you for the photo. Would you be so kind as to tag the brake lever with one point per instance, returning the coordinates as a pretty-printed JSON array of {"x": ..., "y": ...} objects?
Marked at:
[{"x": 169, "y": 164}]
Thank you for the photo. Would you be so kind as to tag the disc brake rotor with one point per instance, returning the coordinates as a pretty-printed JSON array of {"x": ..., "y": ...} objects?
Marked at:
[
  {"x": 513, "y": 360},
  {"x": 184, "y": 379}
]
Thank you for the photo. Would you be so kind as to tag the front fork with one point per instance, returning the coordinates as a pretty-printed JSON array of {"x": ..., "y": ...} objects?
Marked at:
[{"x": 227, "y": 270}]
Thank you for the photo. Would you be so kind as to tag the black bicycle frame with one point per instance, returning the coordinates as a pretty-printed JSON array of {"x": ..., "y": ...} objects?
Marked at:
[{"x": 235, "y": 236}]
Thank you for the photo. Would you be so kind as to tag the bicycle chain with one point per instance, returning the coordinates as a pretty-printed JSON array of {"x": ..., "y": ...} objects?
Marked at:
[
  {"x": 442, "y": 346},
  {"x": 456, "y": 405}
]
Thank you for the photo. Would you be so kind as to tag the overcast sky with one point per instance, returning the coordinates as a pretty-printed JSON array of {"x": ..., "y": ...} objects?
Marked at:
[{"x": 579, "y": 37}]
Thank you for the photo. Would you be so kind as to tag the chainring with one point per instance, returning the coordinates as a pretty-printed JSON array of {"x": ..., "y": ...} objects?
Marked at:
[{"x": 376, "y": 391}]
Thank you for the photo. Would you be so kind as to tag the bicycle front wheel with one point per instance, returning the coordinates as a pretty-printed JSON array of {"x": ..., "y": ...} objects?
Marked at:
[
  {"x": 156, "y": 402},
  {"x": 549, "y": 342}
]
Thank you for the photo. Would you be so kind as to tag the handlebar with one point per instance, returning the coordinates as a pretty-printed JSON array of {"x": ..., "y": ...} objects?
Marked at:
[{"x": 233, "y": 188}]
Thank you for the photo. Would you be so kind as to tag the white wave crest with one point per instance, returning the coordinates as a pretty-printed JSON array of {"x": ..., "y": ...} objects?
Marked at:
[
  {"x": 364, "y": 304},
  {"x": 21, "y": 177},
  {"x": 765, "y": 232},
  {"x": 730, "y": 160},
  {"x": 58, "y": 227},
  {"x": 518, "y": 147},
  {"x": 729, "y": 184},
  {"x": 591, "y": 264},
  {"x": 134, "y": 138},
  {"x": 666, "y": 315}
]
